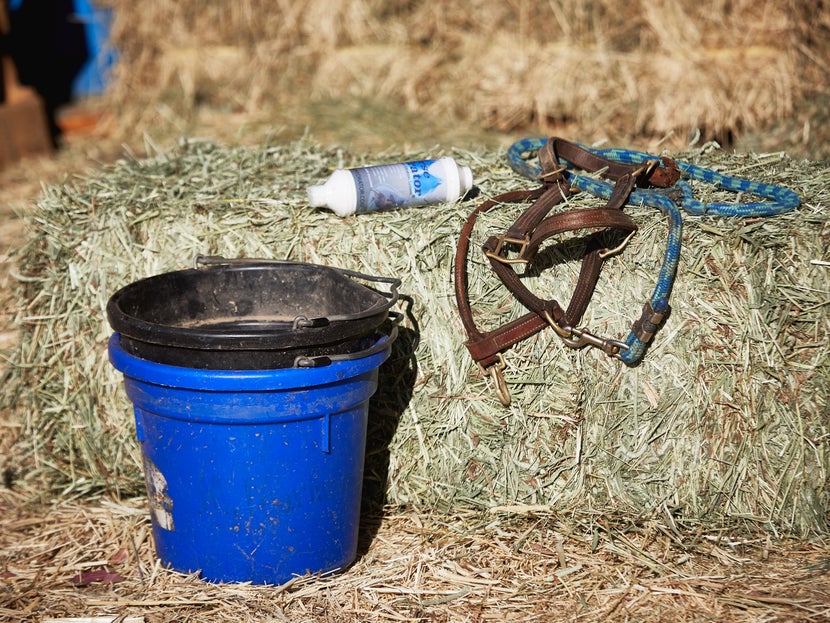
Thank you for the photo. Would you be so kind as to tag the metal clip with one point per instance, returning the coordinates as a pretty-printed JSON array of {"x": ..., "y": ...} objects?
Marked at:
[
  {"x": 577, "y": 338},
  {"x": 583, "y": 337},
  {"x": 505, "y": 239},
  {"x": 495, "y": 373},
  {"x": 609, "y": 346}
]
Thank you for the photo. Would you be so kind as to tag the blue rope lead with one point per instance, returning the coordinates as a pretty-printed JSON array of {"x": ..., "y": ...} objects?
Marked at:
[{"x": 780, "y": 200}]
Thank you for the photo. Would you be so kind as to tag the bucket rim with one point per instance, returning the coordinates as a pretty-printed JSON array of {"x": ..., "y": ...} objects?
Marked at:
[
  {"x": 298, "y": 331},
  {"x": 180, "y": 377}
]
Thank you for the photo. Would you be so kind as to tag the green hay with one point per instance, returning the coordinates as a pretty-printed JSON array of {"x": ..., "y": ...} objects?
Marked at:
[{"x": 725, "y": 423}]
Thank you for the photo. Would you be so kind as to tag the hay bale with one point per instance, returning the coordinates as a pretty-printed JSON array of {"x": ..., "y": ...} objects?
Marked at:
[
  {"x": 724, "y": 422},
  {"x": 660, "y": 68}
]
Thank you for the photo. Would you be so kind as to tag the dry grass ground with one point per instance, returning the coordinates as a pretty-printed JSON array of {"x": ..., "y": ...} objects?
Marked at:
[{"x": 65, "y": 559}]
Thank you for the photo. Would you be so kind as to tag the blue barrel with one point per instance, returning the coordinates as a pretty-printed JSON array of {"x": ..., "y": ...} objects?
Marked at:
[
  {"x": 253, "y": 475},
  {"x": 94, "y": 76}
]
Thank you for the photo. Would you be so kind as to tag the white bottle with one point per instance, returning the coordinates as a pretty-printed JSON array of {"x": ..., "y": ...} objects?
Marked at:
[{"x": 391, "y": 186}]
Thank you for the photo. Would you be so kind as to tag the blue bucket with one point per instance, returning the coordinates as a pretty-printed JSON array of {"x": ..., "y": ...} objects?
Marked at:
[{"x": 253, "y": 475}]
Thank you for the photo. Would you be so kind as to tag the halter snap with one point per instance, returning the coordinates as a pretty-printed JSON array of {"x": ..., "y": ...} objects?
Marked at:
[
  {"x": 583, "y": 337},
  {"x": 578, "y": 338},
  {"x": 495, "y": 373}
]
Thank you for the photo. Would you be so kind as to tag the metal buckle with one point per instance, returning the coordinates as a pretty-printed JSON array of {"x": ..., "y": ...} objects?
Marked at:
[
  {"x": 495, "y": 373},
  {"x": 505, "y": 239},
  {"x": 646, "y": 169}
]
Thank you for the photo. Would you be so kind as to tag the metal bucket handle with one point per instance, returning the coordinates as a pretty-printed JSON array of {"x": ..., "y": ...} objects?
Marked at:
[
  {"x": 302, "y": 322},
  {"x": 381, "y": 344}
]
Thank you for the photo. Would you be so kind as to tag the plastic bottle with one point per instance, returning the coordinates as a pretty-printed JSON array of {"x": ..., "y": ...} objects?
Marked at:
[{"x": 391, "y": 186}]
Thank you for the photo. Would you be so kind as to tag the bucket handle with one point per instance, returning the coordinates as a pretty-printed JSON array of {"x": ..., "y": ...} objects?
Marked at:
[
  {"x": 301, "y": 321},
  {"x": 323, "y": 360}
]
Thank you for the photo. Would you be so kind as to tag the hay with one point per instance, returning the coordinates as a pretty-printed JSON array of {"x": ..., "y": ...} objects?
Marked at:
[
  {"x": 723, "y": 426},
  {"x": 659, "y": 68},
  {"x": 94, "y": 561}
]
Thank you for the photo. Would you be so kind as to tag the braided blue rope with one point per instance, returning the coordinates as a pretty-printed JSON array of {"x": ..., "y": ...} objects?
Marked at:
[{"x": 780, "y": 200}]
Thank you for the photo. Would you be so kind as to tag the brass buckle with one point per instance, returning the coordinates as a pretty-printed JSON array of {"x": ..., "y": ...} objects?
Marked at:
[
  {"x": 505, "y": 239},
  {"x": 646, "y": 169},
  {"x": 495, "y": 373}
]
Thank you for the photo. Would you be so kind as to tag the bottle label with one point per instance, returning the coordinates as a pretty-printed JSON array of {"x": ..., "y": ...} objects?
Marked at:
[{"x": 391, "y": 186}]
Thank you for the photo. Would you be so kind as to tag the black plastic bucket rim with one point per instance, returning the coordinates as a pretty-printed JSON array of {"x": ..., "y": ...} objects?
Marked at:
[
  {"x": 272, "y": 360},
  {"x": 229, "y": 313}
]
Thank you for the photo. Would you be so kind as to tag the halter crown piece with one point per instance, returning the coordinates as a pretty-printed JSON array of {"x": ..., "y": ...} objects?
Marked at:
[{"x": 626, "y": 178}]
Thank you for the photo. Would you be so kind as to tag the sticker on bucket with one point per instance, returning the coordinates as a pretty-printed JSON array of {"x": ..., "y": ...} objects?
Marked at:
[{"x": 161, "y": 504}]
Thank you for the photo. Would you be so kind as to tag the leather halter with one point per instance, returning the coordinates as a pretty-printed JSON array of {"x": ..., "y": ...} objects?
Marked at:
[{"x": 522, "y": 240}]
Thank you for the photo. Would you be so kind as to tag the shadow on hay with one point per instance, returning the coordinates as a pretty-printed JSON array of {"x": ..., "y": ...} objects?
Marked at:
[
  {"x": 574, "y": 250},
  {"x": 571, "y": 250},
  {"x": 396, "y": 380}
]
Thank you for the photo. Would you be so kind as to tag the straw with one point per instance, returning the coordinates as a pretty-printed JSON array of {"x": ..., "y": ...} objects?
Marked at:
[
  {"x": 94, "y": 561},
  {"x": 657, "y": 73}
]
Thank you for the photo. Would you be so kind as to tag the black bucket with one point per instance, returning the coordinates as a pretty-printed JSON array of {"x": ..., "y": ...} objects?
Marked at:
[{"x": 250, "y": 314}]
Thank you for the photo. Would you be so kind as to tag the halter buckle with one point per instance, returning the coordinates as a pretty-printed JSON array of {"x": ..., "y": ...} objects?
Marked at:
[
  {"x": 505, "y": 239},
  {"x": 646, "y": 168}
]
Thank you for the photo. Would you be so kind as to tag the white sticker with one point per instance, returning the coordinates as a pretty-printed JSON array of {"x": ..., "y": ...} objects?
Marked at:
[{"x": 161, "y": 504}]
